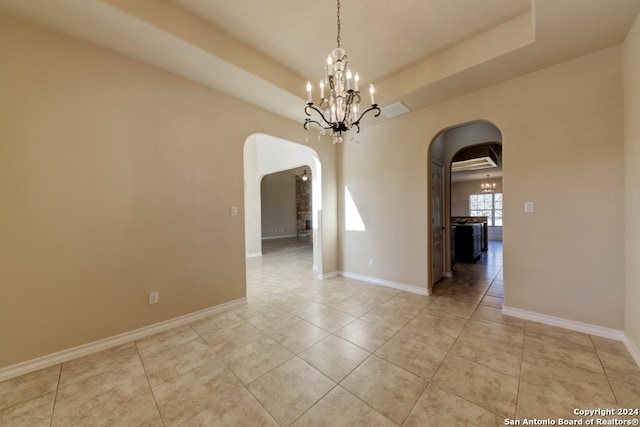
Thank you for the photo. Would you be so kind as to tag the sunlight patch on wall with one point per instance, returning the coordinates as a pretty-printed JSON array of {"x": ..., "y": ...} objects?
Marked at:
[{"x": 352, "y": 219}]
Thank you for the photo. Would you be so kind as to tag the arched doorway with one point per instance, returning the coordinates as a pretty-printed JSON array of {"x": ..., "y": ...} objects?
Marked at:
[
  {"x": 444, "y": 147},
  {"x": 264, "y": 155}
]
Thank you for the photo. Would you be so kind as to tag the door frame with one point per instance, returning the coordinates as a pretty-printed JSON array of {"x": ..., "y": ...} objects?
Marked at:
[{"x": 434, "y": 167}]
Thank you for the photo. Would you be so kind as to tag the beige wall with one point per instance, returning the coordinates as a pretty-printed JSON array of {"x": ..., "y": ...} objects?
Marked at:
[
  {"x": 279, "y": 204},
  {"x": 116, "y": 179},
  {"x": 632, "y": 184},
  {"x": 562, "y": 146}
]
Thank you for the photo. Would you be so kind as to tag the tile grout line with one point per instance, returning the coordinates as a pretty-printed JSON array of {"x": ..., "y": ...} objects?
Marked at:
[
  {"x": 524, "y": 337},
  {"x": 244, "y": 386},
  {"x": 146, "y": 376},
  {"x": 604, "y": 370},
  {"x": 55, "y": 399}
]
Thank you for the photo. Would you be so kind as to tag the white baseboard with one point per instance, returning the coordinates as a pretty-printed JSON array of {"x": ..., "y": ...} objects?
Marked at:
[
  {"x": 280, "y": 236},
  {"x": 254, "y": 255},
  {"x": 106, "y": 343},
  {"x": 586, "y": 328},
  {"x": 375, "y": 281},
  {"x": 633, "y": 349},
  {"x": 387, "y": 283},
  {"x": 327, "y": 275}
]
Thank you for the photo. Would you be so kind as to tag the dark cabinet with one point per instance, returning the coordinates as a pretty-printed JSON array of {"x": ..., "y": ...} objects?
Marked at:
[
  {"x": 453, "y": 245},
  {"x": 469, "y": 240}
]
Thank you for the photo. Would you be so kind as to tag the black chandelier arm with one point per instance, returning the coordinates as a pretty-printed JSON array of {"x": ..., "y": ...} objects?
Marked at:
[
  {"x": 311, "y": 106},
  {"x": 374, "y": 107},
  {"x": 308, "y": 122}
]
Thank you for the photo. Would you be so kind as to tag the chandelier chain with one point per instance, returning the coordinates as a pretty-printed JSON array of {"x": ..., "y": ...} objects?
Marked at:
[{"x": 338, "y": 15}]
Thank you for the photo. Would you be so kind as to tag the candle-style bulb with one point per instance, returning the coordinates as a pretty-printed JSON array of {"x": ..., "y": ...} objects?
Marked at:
[
  {"x": 308, "y": 92},
  {"x": 371, "y": 91}
]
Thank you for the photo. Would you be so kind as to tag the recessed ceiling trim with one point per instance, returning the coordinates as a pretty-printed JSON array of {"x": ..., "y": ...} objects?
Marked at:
[{"x": 473, "y": 164}]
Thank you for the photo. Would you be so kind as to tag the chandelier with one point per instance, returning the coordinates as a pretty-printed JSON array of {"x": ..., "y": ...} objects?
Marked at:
[
  {"x": 488, "y": 187},
  {"x": 339, "y": 109}
]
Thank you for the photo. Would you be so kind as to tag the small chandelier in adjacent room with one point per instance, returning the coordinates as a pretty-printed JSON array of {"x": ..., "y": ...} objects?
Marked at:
[
  {"x": 305, "y": 176},
  {"x": 488, "y": 187},
  {"x": 339, "y": 109}
]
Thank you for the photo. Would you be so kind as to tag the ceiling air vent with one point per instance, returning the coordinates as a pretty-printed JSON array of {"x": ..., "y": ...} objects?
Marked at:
[{"x": 394, "y": 110}]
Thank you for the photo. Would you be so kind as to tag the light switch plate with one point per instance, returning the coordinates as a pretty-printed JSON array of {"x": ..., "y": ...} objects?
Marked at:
[{"x": 528, "y": 207}]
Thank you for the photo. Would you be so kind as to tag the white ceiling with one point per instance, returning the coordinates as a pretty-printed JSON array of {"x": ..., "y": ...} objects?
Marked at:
[{"x": 416, "y": 51}]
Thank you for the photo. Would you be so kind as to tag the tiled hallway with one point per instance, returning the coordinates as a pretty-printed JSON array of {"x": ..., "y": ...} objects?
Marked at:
[{"x": 337, "y": 352}]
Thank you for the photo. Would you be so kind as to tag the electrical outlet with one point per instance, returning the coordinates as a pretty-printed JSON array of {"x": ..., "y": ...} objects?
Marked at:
[
  {"x": 371, "y": 262},
  {"x": 153, "y": 297}
]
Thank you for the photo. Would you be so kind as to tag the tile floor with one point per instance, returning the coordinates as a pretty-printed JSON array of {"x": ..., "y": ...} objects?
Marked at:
[{"x": 337, "y": 352}]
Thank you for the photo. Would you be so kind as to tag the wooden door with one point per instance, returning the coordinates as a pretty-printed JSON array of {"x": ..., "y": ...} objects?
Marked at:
[{"x": 437, "y": 222}]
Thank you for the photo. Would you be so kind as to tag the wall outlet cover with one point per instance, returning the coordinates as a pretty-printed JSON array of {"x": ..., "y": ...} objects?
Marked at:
[{"x": 153, "y": 297}]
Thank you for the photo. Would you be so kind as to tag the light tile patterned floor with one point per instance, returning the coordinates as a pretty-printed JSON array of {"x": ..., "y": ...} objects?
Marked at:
[{"x": 337, "y": 352}]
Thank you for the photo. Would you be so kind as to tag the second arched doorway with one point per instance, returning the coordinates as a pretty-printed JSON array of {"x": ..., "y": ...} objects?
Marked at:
[{"x": 450, "y": 149}]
